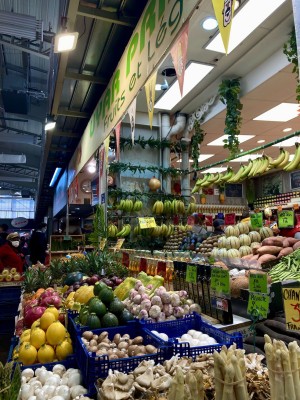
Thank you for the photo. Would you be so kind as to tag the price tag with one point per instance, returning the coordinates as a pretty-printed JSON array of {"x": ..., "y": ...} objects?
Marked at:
[
  {"x": 219, "y": 282},
  {"x": 256, "y": 220},
  {"x": 147, "y": 222},
  {"x": 229, "y": 219},
  {"x": 191, "y": 273},
  {"x": 258, "y": 283},
  {"x": 119, "y": 244},
  {"x": 286, "y": 219},
  {"x": 291, "y": 302},
  {"x": 258, "y": 304},
  {"x": 102, "y": 243}
]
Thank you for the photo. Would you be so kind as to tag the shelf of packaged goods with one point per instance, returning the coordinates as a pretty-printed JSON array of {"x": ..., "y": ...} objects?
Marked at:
[
  {"x": 64, "y": 251},
  {"x": 11, "y": 283}
]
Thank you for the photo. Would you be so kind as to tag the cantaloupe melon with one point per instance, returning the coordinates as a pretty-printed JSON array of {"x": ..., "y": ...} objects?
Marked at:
[
  {"x": 232, "y": 231},
  {"x": 233, "y": 243},
  {"x": 243, "y": 227},
  {"x": 254, "y": 244},
  {"x": 233, "y": 253},
  {"x": 254, "y": 236},
  {"x": 244, "y": 240},
  {"x": 245, "y": 251},
  {"x": 265, "y": 232},
  {"x": 222, "y": 253},
  {"x": 222, "y": 242}
]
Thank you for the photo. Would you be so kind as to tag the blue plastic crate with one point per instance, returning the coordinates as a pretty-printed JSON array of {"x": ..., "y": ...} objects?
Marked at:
[
  {"x": 94, "y": 367},
  {"x": 10, "y": 293},
  {"x": 7, "y": 325},
  {"x": 175, "y": 329}
]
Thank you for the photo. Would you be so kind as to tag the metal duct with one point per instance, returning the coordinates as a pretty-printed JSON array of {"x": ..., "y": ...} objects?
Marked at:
[
  {"x": 12, "y": 158},
  {"x": 20, "y": 26}
]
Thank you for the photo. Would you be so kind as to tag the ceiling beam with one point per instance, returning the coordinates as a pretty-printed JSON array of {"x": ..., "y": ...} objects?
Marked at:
[
  {"x": 107, "y": 16},
  {"x": 19, "y": 46},
  {"x": 71, "y": 113},
  {"x": 71, "y": 17},
  {"x": 21, "y": 131},
  {"x": 66, "y": 134},
  {"x": 86, "y": 78}
]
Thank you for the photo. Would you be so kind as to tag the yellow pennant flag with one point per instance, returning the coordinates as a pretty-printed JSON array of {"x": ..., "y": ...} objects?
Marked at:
[
  {"x": 224, "y": 10},
  {"x": 106, "y": 147},
  {"x": 150, "y": 96}
]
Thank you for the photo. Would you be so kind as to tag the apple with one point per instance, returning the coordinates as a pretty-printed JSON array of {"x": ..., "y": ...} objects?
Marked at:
[
  {"x": 13, "y": 271},
  {"x": 8, "y": 278},
  {"x": 5, "y": 272},
  {"x": 17, "y": 276}
]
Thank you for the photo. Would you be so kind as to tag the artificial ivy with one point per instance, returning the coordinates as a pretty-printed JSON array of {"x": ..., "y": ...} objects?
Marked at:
[
  {"x": 196, "y": 141},
  {"x": 121, "y": 167},
  {"x": 290, "y": 50},
  {"x": 229, "y": 91},
  {"x": 126, "y": 143},
  {"x": 119, "y": 193}
]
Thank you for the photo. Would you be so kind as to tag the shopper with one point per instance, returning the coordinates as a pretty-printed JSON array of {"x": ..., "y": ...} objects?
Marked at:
[
  {"x": 199, "y": 227},
  {"x": 218, "y": 225},
  {"x": 38, "y": 244},
  {"x": 9, "y": 253},
  {"x": 3, "y": 233}
]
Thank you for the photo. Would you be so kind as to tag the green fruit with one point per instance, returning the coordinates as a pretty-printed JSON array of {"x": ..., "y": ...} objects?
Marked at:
[
  {"x": 125, "y": 316},
  {"x": 93, "y": 321},
  {"x": 83, "y": 314},
  {"x": 97, "y": 307},
  {"x": 116, "y": 306},
  {"x": 98, "y": 287},
  {"x": 106, "y": 295},
  {"x": 109, "y": 320}
]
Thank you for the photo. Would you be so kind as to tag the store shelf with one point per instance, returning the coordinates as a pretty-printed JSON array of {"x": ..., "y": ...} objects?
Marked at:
[{"x": 64, "y": 251}]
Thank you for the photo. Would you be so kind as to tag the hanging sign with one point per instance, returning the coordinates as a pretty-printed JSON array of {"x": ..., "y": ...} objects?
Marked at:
[
  {"x": 224, "y": 10},
  {"x": 258, "y": 304},
  {"x": 179, "y": 55},
  {"x": 258, "y": 283},
  {"x": 118, "y": 134},
  {"x": 256, "y": 220},
  {"x": 147, "y": 222},
  {"x": 219, "y": 281},
  {"x": 191, "y": 273},
  {"x": 286, "y": 219},
  {"x": 150, "y": 96},
  {"x": 158, "y": 28},
  {"x": 229, "y": 219},
  {"x": 132, "y": 114},
  {"x": 291, "y": 303}
]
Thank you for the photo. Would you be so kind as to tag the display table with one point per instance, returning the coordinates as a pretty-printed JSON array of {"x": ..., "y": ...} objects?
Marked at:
[{"x": 239, "y": 324}]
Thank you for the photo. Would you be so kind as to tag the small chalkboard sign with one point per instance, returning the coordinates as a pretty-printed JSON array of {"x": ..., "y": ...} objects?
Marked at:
[
  {"x": 234, "y": 190},
  {"x": 295, "y": 180}
]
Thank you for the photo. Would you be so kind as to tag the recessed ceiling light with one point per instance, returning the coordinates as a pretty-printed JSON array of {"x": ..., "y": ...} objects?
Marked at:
[
  {"x": 288, "y": 142},
  {"x": 214, "y": 170},
  {"x": 220, "y": 140},
  {"x": 281, "y": 113},
  {"x": 261, "y": 141},
  {"x": 246, "y": 158},
  {"x": 194, "y": 74},
  {"x": 287, "y": 130},
  {"x": 209, "y": 24},
  {"x": 246, "y": 20}
]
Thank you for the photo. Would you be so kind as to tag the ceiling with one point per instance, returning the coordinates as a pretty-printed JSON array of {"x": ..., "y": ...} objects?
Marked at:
[{"x": 75, "y": 81}]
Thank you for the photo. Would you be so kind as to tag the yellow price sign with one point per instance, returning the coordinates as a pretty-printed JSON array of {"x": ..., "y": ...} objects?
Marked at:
[
  {"x": 147, "y": 222},
  {"x": 291, "y": 302}
]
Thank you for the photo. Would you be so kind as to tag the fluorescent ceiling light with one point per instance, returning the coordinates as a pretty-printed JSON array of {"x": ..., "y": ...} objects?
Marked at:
[
  {"x": 288, "y": 142},
  {"x": 55, "y": 176},
  {"x": 246, "y": 20},
  {"x": 246, "y": 158},
  {"x": 194, "y": 74},
  {"x": 287, "y": 130},
  {"x": 220, "y": 140},
  {"x": 65, "y": 41},
  {"x": 281, "y": 113},
  {"x": 214, "y": 170},
  {"x": 209, "y": 24},
  {"x": 261, "y": 141},
  {"x": 204, "y": 157}
]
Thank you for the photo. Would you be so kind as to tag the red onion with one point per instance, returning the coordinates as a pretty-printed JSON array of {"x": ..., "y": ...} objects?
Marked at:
[
  {"x": 51, "y": 300},
  {"x": 33, "y": 314}
]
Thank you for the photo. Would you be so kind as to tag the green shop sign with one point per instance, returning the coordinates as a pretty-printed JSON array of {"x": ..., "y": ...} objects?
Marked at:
[{"x": 152, "y": 38}]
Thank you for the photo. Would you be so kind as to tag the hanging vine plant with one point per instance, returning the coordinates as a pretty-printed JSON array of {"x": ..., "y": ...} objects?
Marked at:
[
  {"x": 290, "y": 50},
  {"x": 196, "y": 141},
  {"x": 229, "y": 91}
]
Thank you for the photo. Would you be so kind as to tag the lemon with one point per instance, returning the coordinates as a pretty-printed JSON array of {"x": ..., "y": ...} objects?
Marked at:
[
  {"x": 63, "y": 350},
  {"x": 53, "y": 310},
  {"x": 45, "y": 354},
  {"x": 27, "y": 354},
  {"x": 46, "y": 320},
  {"x": 37, "y": 337},
  {"x": 55, "y": 333}
]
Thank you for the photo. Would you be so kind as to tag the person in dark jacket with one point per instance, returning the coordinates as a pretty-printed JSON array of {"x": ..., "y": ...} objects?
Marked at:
[
  {"x": 3, "y": 233},
  {"x": 38, "y": 244},
  {"x": 218, "y": 225},
  {"x": 9, "y": 254}
]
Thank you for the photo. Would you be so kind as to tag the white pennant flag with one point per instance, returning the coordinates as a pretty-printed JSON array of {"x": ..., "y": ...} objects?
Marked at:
[{"x": 132, "y": 112}]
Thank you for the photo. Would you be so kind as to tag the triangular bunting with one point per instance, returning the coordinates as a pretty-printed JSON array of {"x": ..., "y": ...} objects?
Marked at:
[
  {"x": 179, "y": 55},
  {"x": 150, "y": 96},
  {"x": 224, "y": 10},
  {"x": 118, "y": 133},
  {"x": 131, "y": 112}
]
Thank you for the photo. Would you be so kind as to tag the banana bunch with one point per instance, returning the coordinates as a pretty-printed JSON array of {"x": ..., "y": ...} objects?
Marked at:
[
  {"x": 178, "y": 207},
  {"x": 191, "y": 209},
  {"x": 112, "y": 230},
  {"x": 158, "y": 207},
  {"x": 167, "y": 207},
  {"x": 282, "y": 160},
  {"x": 294, "y": 164},
  {"x": 157, "y": 231},
  {"x": 125, "y": 231},
  {"x": 125, "y": 205},
  {"x": 137, "y": 206},
  {"x": 164, "y": 230},
  {"x": 137, "y": 230}
]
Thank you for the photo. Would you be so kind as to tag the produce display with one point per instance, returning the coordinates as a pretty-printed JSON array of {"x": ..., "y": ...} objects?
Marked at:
[
  {"x": 175, "y": 239},
  {"x": 193, "y": 337},
  {"x": 58, "y": 384},
  {"x": 205, "y": 378},
  {"x": 160, "y": 305},
  {"x": 122, "y": 346},
  {"x": 150, "y": 282},
  {"x": 9, "y": 274},
  {"x": 288, "y": 268}
]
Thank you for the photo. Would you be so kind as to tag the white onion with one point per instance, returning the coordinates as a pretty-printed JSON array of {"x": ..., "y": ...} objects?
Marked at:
[
  {"x": 63, "y": 391},
  {"x": 74, "y": 379},
  {"x": 26, "y": 391},
  {"x": 28, "y": 373},
  {"x": 59, "y": 369}
]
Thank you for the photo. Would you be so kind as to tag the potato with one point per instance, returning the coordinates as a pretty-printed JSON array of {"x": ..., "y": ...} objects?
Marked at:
[
  {"x": 151, "y": 349},
  {"x": 273, "y": 250},
  {"x": 137, "y": 340},
  {"x": 285, "y": 251}
]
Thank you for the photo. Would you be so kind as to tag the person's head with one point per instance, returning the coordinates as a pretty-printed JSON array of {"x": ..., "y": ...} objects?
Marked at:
[
  {"x": 42, "y": 227},
  {"x": 13, "y": 239},
  {"x": 218, "y": 224},
  {"x": 3, "y": 227}
]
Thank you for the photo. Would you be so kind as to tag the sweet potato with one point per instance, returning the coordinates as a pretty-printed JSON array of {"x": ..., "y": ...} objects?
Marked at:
[
  {"x": 269, "y": 250},
  {"x": 254, "y": 258},
  {"x": 266, "y": 258},
  {"x": 285, "y": 251},
  {"x": 272, "y": 241},
  {"x": 286, "y": 242},
  {"x": 296, "y": 245},
  {"x": 291, "y": 241},
  {"x": 255, "y": 248},
  {"x": 247, "y": 257}
]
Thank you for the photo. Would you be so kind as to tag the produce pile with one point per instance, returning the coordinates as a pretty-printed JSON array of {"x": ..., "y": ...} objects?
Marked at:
[
  {"x": 179, "y": 379},
  {"x": 175, "y": 239},
  {"x": 58, "y": 384},
  {"x": 287, "y": 269},
  {"x": 193, "y": 337},
  {"x": 204, "y": 247},
  {"x": 121, "y": 346},
  {"x": 159, "y": 305},
  {"x": 46, "y": 341},
  {"x": 9, "y": 274}
]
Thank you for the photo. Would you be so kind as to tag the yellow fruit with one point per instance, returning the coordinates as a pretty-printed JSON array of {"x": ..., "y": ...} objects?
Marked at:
[
  {"x": 37, "y": 337},
  {"x": 55, "y": 333},
  {"x": 46, "y": 354},
  {"x": 46, "y": 320},
  {"x": 68, "y": 339},
  {"x": 53, "y": 310},
  {"x": 36, "y": 324},
  {"x": 25, "y": 335},
  {"x": 63, "y": 350},
  {"x": 27, "y": 354},
  {"x": 22, "y": 344}
]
